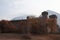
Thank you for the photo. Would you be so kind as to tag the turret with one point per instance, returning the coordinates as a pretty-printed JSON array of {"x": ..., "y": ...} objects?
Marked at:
[
  {"x": 53, "y": 16},
  {"x": 53, "y": 23},
  {"x": 44, "y": 14}
]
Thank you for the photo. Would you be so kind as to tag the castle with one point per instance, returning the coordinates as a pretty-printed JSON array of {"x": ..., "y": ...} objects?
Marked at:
[{"x": 34, "y": 25}]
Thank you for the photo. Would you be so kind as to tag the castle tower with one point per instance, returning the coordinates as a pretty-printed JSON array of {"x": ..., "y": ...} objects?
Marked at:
[
  {"x": 44, "y": 14},
  {"x": 43, "y": 21},
  {"x": 53, "y": 23}
]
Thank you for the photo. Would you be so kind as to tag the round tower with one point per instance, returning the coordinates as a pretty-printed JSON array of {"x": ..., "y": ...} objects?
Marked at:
[
  {"x": 53, "y": 23},
  {"x": 44, "y": 14},
  {"x": 43, "y": 21}
]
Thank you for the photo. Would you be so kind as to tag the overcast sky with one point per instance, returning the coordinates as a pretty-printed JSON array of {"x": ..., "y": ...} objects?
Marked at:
[{"x": 13, "y": 8}]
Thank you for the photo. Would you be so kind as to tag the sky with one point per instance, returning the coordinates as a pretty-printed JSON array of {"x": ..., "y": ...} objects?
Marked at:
[{"x": 13, "y": 8}]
